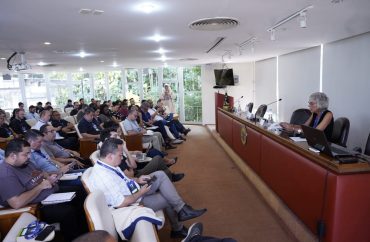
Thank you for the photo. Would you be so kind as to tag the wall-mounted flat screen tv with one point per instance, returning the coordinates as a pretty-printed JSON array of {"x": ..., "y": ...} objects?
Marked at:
[{"x": 224, "y": 77}]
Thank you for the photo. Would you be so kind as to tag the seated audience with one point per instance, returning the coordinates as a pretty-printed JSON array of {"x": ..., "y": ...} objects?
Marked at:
[
  {"x": 57, "y": 152},
  {"x": 18, "y": 123},
  {"x": 132, "y": 128},
  {"x": 321, "y": 118},
  {"x": 123, "y": 109},
  {"x": 40, "y": 158},
  {"x": 121, "y": 191},
  {"x": 148, "y": 121},
  {"x": 32, "y": 113},
  {"x": 88, "y": 126},
  {"x": 67, "y": 142},
  {"x": 6, "y": 133},
  {"x": 130, "y": 167},
  {"x": 115, "y": 111},
  {"x": 21, "y": 106},
  {"x": 75, "y": 109},
  {"x": 93, "y": 104},
  {"x": 39, "y": 107},
  {"x": 105, "y": 115},
  {"x": 68, "y": 105},
  {"x": 57, "y": 121},
  {"x": 23, "y": 184}
]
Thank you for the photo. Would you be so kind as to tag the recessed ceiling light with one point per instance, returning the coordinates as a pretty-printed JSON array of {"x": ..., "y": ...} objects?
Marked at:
[
  {"x": 157, "y": 38},
  {"x": 147, "y": 7},
  {"x": 81, "y": 69},
  {"x": 41, "y": 63},
  {"x": 82, "y": 54},
  {"x": 2, "y": 58},
  {"x": 163, "y": 58},
  {"x": 161, "y": 51},
  {"x": 114, "y": 64},
  {"x": 101, "y": 61},
  {"x": 47, "y": 43}
]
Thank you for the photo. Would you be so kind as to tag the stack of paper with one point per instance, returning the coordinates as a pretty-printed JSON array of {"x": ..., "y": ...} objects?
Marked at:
[
  {"x": 59, "y": 198},
  {"x": 70, "y": 176}
]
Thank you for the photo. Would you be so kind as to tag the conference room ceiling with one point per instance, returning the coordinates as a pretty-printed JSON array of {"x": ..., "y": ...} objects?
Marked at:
[{"x": 122, "y": 33}]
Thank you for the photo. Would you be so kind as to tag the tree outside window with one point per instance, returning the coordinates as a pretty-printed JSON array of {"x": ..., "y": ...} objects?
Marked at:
[
  {"x": 193, "y": 94},
  {"x": 115, "y": 85}
]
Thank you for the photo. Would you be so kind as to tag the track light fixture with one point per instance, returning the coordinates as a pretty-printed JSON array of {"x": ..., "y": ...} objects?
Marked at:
[
  {"x": 249, "y": 42},
  {"x": 302, "y": 21}
]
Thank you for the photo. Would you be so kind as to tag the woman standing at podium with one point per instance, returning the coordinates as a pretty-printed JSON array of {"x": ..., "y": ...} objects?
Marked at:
[
  {"x": 167, "y": 98},
  {"x": 321, "y": 118}
]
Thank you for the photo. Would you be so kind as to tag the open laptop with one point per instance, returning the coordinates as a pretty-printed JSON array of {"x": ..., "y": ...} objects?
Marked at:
[{"x": 316, "y": 139}]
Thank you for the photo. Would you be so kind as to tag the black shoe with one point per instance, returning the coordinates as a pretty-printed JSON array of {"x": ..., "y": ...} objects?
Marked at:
[
  {"x": 177, "y": 177},
  {"x": 170, "y": 147},
  {"x": 186, "y": 131},
  {"x": 194, "y": 230},
  {"x": 180, "y": 233},
  {"x": 188, "y": 212}
]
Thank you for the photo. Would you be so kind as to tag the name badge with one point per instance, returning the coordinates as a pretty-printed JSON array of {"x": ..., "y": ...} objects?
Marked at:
[{"x": 132, "y": 187}]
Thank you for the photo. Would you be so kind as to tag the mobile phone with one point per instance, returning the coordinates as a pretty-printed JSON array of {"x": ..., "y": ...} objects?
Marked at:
[
  {"x": 45, "y": 233},
  {"x": 151, "y": 180}
]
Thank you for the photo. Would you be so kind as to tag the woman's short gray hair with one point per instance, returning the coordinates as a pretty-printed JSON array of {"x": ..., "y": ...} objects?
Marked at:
[{"x": 321, "y": 100}]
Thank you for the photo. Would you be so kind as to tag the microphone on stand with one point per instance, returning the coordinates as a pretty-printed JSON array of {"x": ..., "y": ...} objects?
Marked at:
[{"x": 274, "y": 102}]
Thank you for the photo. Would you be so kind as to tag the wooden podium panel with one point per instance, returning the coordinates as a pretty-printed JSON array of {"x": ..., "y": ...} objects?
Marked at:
[
  {"x": 318, "y": 189},
  {"x": 250, "y": 151},
  {"x": 219, "y": 102}
]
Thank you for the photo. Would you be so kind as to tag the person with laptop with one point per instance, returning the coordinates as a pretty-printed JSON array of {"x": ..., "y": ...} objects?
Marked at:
[{"x": 321, "y": 118}]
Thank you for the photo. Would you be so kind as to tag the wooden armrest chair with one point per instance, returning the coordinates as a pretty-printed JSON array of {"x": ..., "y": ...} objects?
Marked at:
[
  {"x": 8, "y": 216},
  {"x": 3, "y": 145},
  {"x": 87, "y": 146},
  {"x": 135, "y": 141}
]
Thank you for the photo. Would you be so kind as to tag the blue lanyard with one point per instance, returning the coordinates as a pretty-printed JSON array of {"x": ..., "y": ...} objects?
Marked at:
[
  {"x": 114, "y": 170},
  {"x": 33, "y": 229}
]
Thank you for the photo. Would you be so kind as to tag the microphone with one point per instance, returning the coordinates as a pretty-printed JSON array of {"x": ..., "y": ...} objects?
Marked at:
[{"x": 274, "y": 102}]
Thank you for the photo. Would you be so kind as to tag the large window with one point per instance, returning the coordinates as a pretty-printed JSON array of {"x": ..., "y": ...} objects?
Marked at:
[
  {"x": 115, "y": 85},
  {"x": 193, "y": 97},
  {"x": 100, "y": 86},
  {"x": 133, "y": 85},
  {"x": 81, "y": 86},
  {"x": 10, "y": 93},
  {"x": 35, "y": 88},
  {"x": 150, "y": 84},
  {"x": 58, "y": 89}
]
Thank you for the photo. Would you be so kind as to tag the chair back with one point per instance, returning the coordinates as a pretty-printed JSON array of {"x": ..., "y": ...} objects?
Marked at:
[
  {"x": 95, "y": 156},
  {"x": 261, "y": 111},
  {"x": 300, "y": 116},
  {"x": 68, "y": 110},
  {"x": 31, "y": 122},
  {"x": 85, "y": 180},
  {"x": 78, "y": 131},
  {"x": 367, "y": 147},
  {"x": 249, "y": 107},
  {"x": 98, "y": 214},
  {"x": 340, "y": 131},
  {"x": 123, "y": 128},
  {"x": 23, "y": 221},
  {"x": 70, "y": 119}
]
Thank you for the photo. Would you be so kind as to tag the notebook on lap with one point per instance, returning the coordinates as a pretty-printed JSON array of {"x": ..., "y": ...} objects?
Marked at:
[{"x": 316, "y": 139}]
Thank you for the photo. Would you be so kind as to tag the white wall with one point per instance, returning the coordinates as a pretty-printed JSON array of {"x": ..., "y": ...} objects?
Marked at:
[
  {"x": 346, "y": 80},
  {"x": 265, "y": 83},
  {"x": 299, "y": 76},
  {"x": 243, "y": 88}
]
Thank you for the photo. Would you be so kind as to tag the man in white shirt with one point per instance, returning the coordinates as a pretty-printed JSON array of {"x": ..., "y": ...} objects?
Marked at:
[{"x": 156, "y": 190}]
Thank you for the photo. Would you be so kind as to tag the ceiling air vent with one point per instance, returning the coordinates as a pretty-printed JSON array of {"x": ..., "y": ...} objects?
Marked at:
[
  {"x": 214, "y": 24},
  {"x": 85, "y": 11}
]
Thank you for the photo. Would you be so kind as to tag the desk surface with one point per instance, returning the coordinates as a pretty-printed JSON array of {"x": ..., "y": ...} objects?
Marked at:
[{"x": 302, "y": 148}]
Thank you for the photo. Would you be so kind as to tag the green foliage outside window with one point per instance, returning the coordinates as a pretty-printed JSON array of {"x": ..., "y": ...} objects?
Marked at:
[
  {"x": 115, "y": 85},
  {"x": 193, "y": 94}
]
